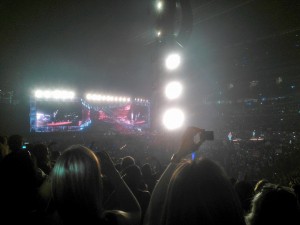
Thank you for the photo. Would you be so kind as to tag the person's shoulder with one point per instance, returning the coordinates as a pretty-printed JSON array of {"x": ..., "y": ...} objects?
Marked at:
[
  {"x": 142, "y": 194},
  {"x": 119, "y": 217},
  {"x": 113, "y": 217},
  {"x": 145, "y": 192}
]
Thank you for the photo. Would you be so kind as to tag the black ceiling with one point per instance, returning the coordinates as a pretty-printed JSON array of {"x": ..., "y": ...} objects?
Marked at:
[{"x": 110, "y": 44}]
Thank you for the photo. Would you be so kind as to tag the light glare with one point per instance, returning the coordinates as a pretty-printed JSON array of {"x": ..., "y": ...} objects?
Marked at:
[
  {"x": 159, "y": 5},
  {"x": 105, "y": 98},
  {"x": 38, "y": 94},
  {"x": 173, "y": 61},
  {"x": 173, "y": 90},
  {"x": 55, "y": 94},
  {"x": 173, "y": 119}
]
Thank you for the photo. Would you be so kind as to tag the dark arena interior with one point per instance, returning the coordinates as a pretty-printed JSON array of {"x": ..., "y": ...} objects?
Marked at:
[{"x": 130, "y": 77}]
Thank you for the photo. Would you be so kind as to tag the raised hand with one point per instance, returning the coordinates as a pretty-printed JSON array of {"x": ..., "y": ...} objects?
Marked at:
[{"x": 188, "y": 143}]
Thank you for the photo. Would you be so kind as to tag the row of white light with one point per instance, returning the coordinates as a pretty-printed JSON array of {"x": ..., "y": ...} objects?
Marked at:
[
  {"x": 141, "y": 100},
  {"x": 107, "y": 98},
  {"x": 63, "y": 94},
  {"x": 54, "y": 94},
  {"x": 173, "y": 118}
]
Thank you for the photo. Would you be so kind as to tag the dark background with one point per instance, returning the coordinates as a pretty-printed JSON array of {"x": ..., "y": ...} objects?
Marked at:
[{"x": 110, "y": 46}]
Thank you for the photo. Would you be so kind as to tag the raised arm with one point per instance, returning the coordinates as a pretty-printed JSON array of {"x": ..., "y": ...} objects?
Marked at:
[
  {"x": 154, "y": 213},
  {"x": 130, "y": 211}
]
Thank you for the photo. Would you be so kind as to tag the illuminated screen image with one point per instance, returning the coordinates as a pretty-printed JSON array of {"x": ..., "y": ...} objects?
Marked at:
[
  {"x": 61, "y": 116},
  {"x": 57, "y": 116},
  {"x": 120, "y": 118}
]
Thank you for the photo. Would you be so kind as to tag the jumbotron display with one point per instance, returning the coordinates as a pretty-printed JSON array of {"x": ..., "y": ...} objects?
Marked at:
[{"x": 61, "y": 111}]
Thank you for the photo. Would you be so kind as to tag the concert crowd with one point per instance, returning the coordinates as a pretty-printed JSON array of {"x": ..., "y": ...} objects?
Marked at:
[{"x": 249, "y": 174}]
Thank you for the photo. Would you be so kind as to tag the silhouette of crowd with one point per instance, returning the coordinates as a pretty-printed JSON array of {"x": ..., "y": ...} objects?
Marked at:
[{"x": 106, "y": 184}]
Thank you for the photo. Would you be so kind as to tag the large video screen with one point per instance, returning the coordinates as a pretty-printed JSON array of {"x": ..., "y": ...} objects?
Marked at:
[
  {"x": 50, "y": 116},
  {"x": 63, "y": 116},
  {"x": 122, "y": 118}
]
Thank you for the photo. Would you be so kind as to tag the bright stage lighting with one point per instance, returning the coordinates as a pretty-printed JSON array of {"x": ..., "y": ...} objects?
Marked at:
[
  {"x": 106, "y": 98},
  {"x": 38, "y": 94},
  {"x": 159, "y": 6},
  {"x": 55, "y": 94},
  {"x": 173, "y": 118},
  {"x": 173, "y": 90},
  {"x": 172, "y": 61}
]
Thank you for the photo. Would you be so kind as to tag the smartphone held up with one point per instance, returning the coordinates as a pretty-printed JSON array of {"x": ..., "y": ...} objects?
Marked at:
[{"x": 203, "y": 135}]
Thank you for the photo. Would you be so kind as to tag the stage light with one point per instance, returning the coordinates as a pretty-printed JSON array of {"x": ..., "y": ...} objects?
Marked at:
[
  {"x": 64, "y": 94},
  {"x": 56, "y": 94},
  {"x": 71, "y": 95},
  {"x": 47, "y": 94},
  {"x": 172, "y": 61},
  {"x": 88, "y": 96},
  {"x": 173, "y": 90},
  {"x": 158, "y": 33},
  {"x": 173, "y": 118},
  {"x": 38, "y": 94},
  {"x": 159, "y": 6},
  {"x": 104, "y": 98}
]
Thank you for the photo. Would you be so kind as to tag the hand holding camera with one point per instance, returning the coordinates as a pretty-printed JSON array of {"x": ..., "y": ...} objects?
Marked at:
[{"x": 192, "y": 138}]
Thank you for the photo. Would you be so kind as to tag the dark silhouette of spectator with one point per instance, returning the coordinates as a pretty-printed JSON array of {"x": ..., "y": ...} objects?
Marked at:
[
  {"x": 4, "y": 148},
  {"x": 296, "y": 188},
  {"x": 193, "y": 192},
  {"x": 3, "y": 139},
  {"x": 274, "y": 205},
  {"x": 54, "y": 154},
  {"x": 148, "y": 177},
  {"x": 19, "y": 188},
  {"x": 118, "y": 166},
  {"x": 200, "y": 193},
  {"x": 233, "y": 180},
  {"x": 77, "y": 189},
  {"x": 127, "y": 161},
  {"x": 133, "y": 177},
  {"x": 15, "y": 142},
  {"x": 109, "y": 198},
  {"x": 245, "y": 192},
  {"x": 42, "y": 155},
  {"x": 259, "y": 185}
]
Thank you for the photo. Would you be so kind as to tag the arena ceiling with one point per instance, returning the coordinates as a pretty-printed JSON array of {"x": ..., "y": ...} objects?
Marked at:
[{"x": 110, "y": 45}]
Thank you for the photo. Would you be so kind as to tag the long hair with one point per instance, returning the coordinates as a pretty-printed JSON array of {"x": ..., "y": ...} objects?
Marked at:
[
  {"x": 77, "y": 185},
  {"x": 275, "y": 204},
  {"x": 200, "y": 193}
]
